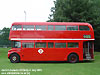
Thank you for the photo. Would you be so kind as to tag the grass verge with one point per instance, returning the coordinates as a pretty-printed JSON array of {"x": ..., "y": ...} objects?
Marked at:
[{"x": 50, "y": 68}]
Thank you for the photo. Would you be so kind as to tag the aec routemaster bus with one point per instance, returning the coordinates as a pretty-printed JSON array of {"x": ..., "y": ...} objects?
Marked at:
[{"x": 51, "y": 41}]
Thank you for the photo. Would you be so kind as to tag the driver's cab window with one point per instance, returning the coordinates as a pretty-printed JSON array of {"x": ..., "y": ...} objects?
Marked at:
[{"x": 16, "y": 44}]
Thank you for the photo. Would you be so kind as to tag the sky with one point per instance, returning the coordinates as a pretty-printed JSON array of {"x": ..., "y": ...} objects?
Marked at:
[{"x": 13, "y": 11}]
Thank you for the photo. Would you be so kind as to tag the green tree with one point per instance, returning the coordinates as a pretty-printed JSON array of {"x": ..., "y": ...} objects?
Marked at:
[
  {"x": 4, "y": 36},
  {"x": 78, "y": 11}
]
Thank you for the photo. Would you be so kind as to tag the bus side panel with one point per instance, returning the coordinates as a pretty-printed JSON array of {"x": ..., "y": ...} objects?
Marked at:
[{"x": 78, "y": 51}]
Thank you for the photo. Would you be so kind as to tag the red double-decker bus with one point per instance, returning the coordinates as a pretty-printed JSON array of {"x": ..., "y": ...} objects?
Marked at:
[{"x": 51, "y": 41}]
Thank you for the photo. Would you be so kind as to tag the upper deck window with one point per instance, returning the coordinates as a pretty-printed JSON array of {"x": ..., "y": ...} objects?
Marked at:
[
  {"x": 50, "y": 27},
  {"x": 72, "y": 28},
  {"x": 60, "y": 27},
  {"x": 28, "y": 27},
  {"x": 16, "y": 27},
  {"x": 84, "y": 28},
  {"x": 40, "y": 27}
]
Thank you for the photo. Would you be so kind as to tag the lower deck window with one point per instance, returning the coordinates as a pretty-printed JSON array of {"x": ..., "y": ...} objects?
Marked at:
[
  {"x": 50, "y": 44},
  {"x": 40, "y": 45},
  {"x": 27, "y": 45},
  {"x": 73, "y": 45},
  {"x": 60, "y": 45}
]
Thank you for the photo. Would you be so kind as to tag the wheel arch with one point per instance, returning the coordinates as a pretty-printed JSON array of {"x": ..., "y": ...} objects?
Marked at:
[
  {"x": 73, "y": 53},
  {"x": 14, "y": 53}
]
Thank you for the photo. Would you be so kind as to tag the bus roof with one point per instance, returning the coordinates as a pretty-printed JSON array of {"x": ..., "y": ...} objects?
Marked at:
[{"x": 50, "y": 23}]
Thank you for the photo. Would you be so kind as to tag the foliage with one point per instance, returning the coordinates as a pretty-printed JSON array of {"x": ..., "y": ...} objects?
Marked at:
[
  {"x": 78, "y": 11},
  {"x": 4, "y": 36}
]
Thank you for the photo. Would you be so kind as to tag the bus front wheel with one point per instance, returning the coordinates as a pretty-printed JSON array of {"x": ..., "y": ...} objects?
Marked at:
[
  {"x": 14, "y": 58},
  {"x": 73, "y": 58}
]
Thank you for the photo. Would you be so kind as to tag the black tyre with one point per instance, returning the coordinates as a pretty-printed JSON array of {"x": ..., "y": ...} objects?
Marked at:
[
  {"x": 73, "y": 58},
  {"x": 14, "y": 58}
]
